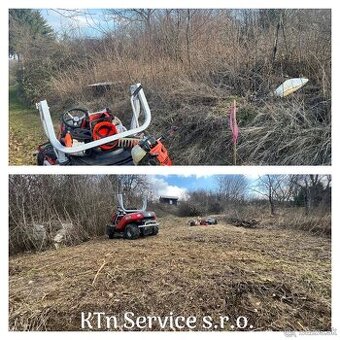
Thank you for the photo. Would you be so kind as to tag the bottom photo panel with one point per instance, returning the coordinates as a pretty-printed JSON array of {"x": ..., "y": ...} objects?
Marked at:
[{"x": 171, "y": 253}]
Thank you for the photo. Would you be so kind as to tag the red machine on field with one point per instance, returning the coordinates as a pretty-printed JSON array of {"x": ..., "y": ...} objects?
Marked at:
[
  {"x": 132, "y": 223},
  {"x": 203, "y": 221},
  {"x": 100, "y": 138}
]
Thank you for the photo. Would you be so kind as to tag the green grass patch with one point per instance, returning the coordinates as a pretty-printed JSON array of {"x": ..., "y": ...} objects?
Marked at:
[{"x": 25, "y": 130}]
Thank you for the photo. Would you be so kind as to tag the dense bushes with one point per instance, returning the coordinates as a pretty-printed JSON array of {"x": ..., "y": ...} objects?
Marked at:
[
  {"x": 190, "y": 79},
  {"x": 86, "y": 202},
  {"x": 190, "y": 209},
  {"x": 43, "y": 208}
]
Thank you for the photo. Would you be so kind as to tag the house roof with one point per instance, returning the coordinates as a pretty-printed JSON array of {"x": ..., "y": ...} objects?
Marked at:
[{"x": 170, "y": 197}]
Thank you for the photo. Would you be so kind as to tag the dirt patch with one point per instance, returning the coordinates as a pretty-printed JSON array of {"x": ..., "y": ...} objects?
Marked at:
[{"x": 279, "y": 279}]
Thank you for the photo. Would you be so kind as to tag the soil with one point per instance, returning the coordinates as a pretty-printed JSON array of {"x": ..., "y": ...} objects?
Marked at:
[{"x": 279, "y": 279}]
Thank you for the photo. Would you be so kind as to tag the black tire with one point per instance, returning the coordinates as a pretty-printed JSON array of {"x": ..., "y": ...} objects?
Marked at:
[
  {"x": 155, "y": 230},
  {"x": 111, "y": 235},
  {"x": 131, "y": 232},
  {"x": 40, "y": 157},
  {"x": 215, "y": 222},
  {"x": 45, "y": 151}
]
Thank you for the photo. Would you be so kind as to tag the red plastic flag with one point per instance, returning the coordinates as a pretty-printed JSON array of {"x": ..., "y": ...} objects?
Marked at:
[{"x": 233, "y": 122}]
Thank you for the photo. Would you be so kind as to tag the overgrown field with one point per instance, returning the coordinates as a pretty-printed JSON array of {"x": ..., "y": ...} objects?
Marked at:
[
  {"x": 280, "y": 279},
  {"x": 190, "y": 79}
]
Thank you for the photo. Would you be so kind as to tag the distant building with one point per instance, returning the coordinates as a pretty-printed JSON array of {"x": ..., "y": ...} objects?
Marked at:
[{"x": 172, "y": 200}]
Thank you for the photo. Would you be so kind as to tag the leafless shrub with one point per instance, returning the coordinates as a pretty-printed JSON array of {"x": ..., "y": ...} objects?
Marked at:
[
  {"x": 189, "y": 209},
  {"x": 317, "y": 223},
  {"x": 191, "y": 78},
  {"x": 47, "y": 211},
  {"x": 244, "y": 212}
]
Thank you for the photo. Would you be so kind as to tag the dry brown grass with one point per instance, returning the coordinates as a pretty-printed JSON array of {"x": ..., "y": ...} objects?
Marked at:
[
  {"x": 191, "y": 79},
  {"x": 316, "y": 222},
  {"x": 290, "y": 131},
  {"x": 280, "y": 279}
]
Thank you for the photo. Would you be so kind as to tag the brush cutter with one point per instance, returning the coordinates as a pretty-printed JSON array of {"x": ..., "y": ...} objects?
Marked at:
[
  {"x": 100, "y": 138},
  {"x": 132, "y": 223},
  {"x": 203, "y": 221}
]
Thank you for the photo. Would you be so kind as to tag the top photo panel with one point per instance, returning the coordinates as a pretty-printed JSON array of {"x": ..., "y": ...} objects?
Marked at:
[{"x": 169, "y": 87}]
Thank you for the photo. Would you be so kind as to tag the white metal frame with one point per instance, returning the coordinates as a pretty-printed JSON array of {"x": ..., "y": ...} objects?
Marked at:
[
  {"x": 138, "y": 102},
  {"x": 121, "y": 204}
]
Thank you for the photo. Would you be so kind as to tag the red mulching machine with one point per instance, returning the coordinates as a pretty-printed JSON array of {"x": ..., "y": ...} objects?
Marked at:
[
  {"x": 132, "y": 223},
  {"x": 203, "y": 221},
  {"x": 100, "y": 138}
]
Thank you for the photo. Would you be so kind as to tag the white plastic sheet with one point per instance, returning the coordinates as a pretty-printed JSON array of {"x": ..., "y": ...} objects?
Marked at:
[{"x": 290, "y": 86}]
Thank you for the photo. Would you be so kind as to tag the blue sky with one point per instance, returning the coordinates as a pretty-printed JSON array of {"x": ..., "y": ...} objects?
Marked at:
[
  {"x": 174, "y": 185},
  {"x": 79, "y": 22},
  {"x": 193, "y": 182}
]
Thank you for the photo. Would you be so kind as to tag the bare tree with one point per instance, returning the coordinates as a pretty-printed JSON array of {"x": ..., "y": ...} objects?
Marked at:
[
  {"x": 134, "y": 188},
  {"x": 313, "y": 188},
  {"x": 232, "y": 188},
  {"x": 274, "y": 188}
]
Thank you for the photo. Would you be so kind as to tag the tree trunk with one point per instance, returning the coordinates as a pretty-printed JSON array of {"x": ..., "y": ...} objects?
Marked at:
[
  {"x": 307, "y": 198},
  {"x": 271, "y": 201}
]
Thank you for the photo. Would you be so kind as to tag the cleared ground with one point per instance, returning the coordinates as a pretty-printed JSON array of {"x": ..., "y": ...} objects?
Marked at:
[{"x": 278, "y": 279}]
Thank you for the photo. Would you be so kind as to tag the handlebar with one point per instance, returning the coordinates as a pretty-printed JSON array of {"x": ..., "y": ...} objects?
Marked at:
[
  {"x": 137, "y": 99},
  {"x": 121, "y": 205}
]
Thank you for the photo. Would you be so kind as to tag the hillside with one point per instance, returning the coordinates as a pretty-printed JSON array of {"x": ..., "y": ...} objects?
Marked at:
[
  {"x": 190, "y": 80},
  {"x": 279, "y": 279}
]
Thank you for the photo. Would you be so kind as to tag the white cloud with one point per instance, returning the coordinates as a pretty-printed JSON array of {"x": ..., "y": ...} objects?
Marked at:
[
  {"x": 162, "y": 188},
  {"x": 61, "y": 19},
  {"x": 198, "y": 175},
  {"x": 252, "y": 177},
  {"x": 202, "y": 176},
  {"x": 81, "y": 21}
]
